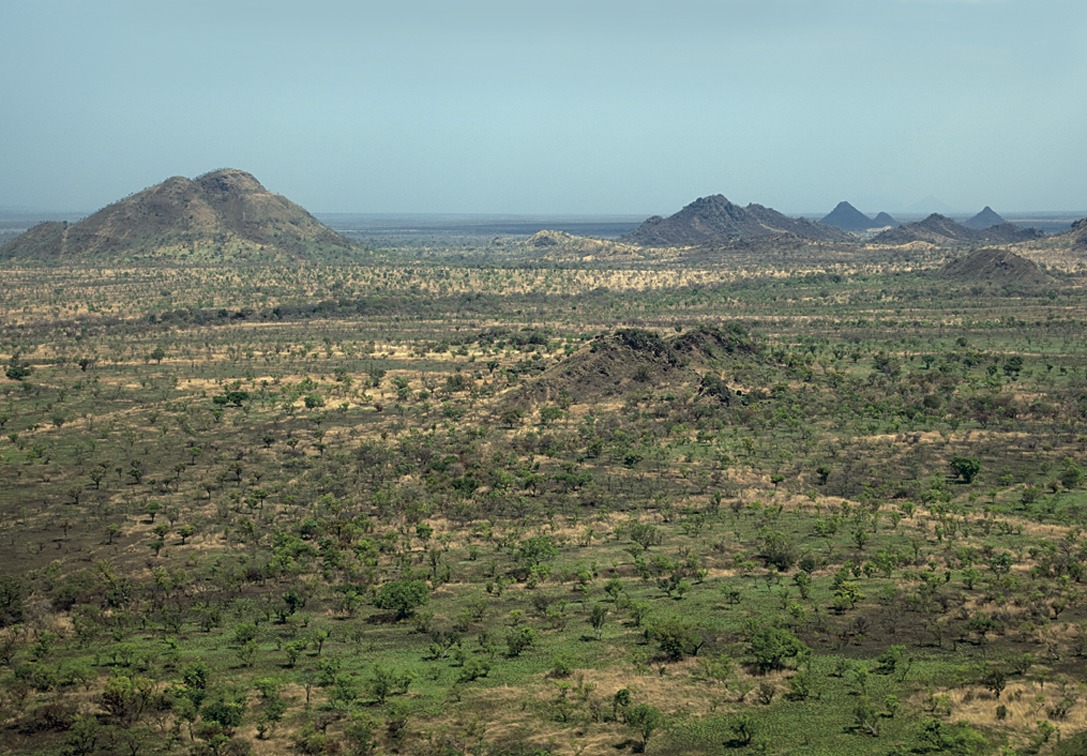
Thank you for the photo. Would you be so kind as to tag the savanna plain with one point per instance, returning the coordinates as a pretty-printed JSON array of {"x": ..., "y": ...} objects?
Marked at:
[{"x": 451, "y": 498}]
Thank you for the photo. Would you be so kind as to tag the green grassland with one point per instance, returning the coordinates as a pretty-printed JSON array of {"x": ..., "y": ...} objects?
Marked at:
[{"x": 475, "y": 504}]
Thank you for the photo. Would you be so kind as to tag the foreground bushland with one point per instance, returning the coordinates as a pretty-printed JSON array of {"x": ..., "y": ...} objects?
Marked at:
[{"x": 344, "y": 509}]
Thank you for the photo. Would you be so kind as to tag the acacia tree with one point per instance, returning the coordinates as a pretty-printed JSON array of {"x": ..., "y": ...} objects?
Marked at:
[
  {"x": 966, "y": 468},
  {"x": 774, "y": 645},
  {"x": 402, "y": 597},
  {"x": 645, "y": 719},
  {"x": 17, "y": 369},
  {"x": 678, "y": 638},
  {"x": 597, "y": 616}
]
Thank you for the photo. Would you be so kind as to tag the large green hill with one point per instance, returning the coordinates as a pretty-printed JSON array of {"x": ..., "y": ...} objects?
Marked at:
[{"x": 220, "y": 215}]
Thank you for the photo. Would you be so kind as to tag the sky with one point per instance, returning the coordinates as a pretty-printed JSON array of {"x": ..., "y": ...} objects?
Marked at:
[{"x": 622, "y": 107}]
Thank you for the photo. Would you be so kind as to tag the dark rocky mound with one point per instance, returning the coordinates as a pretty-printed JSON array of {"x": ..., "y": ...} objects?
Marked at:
[
  {"x": 223, "y": 210},
  {"x": 987, "y": 218},
  {"x": 716, "y": 221},
  {"x": 706, "y": 344},
  {"x": 995, "y": 267},
  {"x": 942, "y": 231},
  {"x": 883, "y": 220},
  {"x": 849, "y": 218},
  {"x": 631, "y": 361}
]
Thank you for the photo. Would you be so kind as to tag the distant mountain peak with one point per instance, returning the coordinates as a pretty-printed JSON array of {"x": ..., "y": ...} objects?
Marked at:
[
  {"x": 987, "y": 218},
  {"x": 848, "y": 218},
  {"x": 929, "y": 204}
]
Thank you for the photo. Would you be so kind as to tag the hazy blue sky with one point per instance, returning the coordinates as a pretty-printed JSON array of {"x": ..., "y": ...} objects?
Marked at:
[{"x": 551, "y": 106}]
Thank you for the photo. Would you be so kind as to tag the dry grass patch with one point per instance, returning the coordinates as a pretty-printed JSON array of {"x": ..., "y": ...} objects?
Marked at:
[{"x": 1024, "y": 706}]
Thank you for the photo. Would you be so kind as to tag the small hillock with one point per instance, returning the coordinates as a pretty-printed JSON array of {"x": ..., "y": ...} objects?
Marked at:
[
  {"x": 547, "y": 238},
  {"x": 564, "y": 246}
]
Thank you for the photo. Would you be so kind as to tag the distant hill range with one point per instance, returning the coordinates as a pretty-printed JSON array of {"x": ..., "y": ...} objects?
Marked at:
[
  {"x": 987, "y": 218},
  {"x": 225, "y": 214},
  {"x": 942, "y": 231},
  {"x": 715, "y": 221},
  {"x": 849, "y": 218},
  {"x": 995, "y": 267}
]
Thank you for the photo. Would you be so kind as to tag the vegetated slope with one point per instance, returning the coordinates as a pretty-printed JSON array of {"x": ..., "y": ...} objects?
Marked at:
[
  {"x": 1078, "y": 233},
  {"x": 995, "y": 267},
  {"x": 225, "y": 210},
  {"x": 987, "y": 218},
  {"x": 1074, "y": 239},
  {"x": 243, "y": 538},
  {"x": 940, "y": 230},
  {"x": 849, "y": 218},
  {"x": 714, "y": 220},
  {"x": 1065, "y": 251},
  {"x": 629, "y": 361}
]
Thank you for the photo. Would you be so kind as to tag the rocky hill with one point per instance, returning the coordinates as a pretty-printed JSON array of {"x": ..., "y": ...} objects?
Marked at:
[
  {"x": 223, "y": 214},
  {"x": 987, "y": 218},
  {"x": 849, "y": 218},
  {"x": 882, "y": 220},
  {"x": 940, "y": 230},
  {"x": 995, "y": 267},
  {"x": 632, "y": 361},
  {"x": 715, "y": 221}
]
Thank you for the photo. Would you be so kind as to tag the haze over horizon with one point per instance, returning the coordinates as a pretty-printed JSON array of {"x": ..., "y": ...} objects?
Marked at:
[{"x": 609, "y": 107}]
